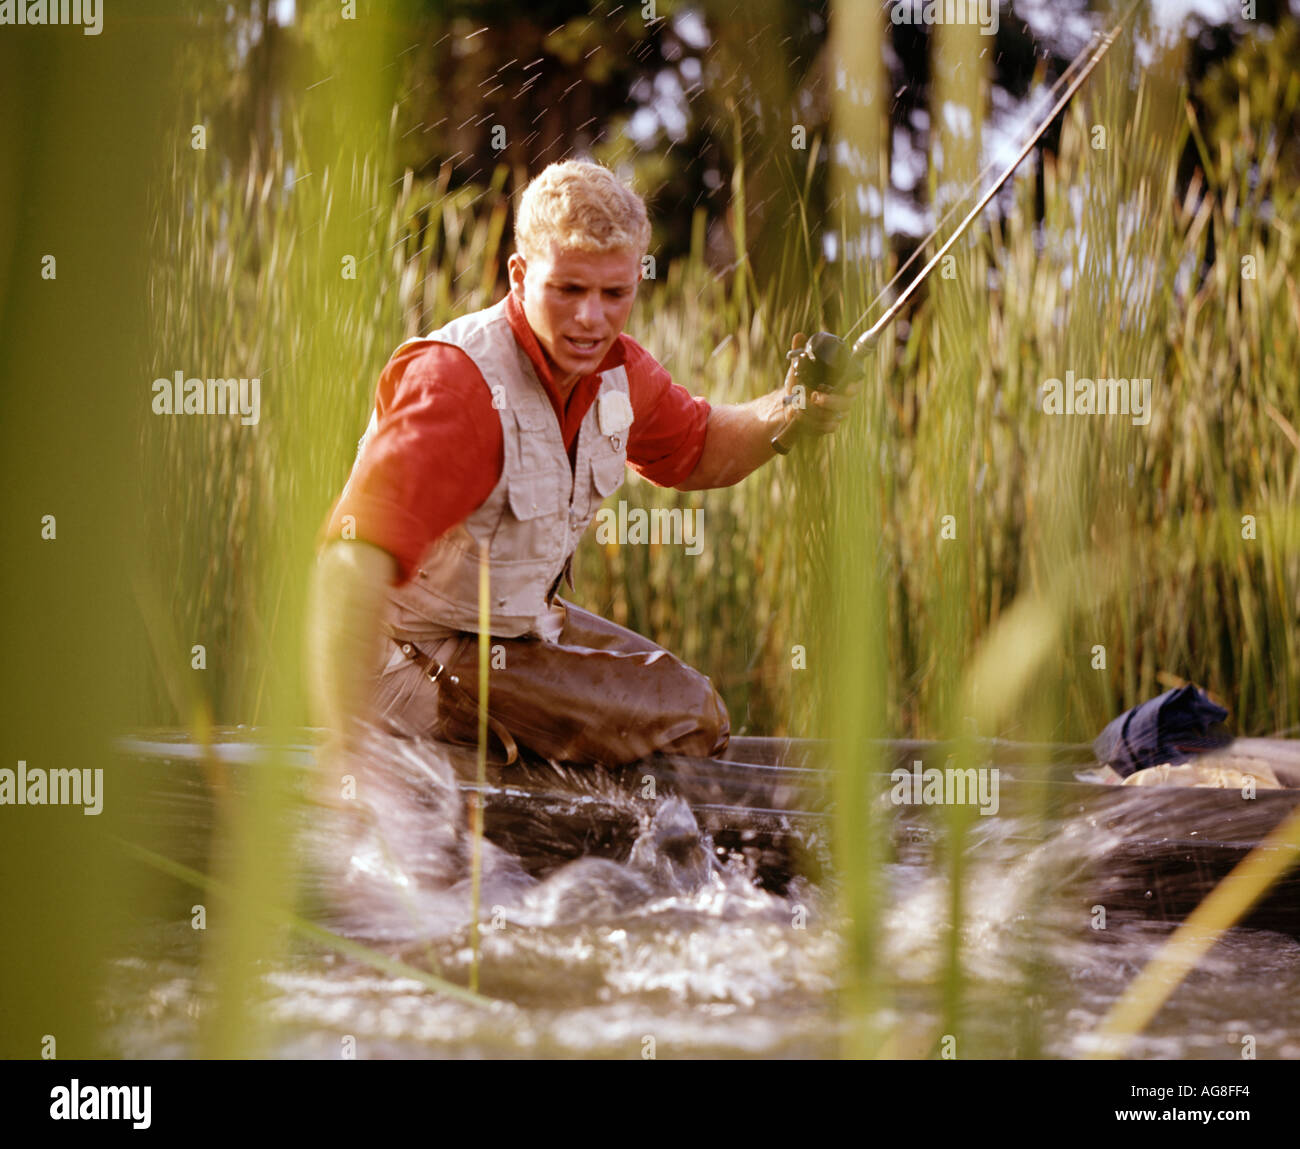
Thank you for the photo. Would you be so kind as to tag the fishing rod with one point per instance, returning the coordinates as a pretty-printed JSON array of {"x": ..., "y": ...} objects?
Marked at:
[{"x": 819, "y": 365}]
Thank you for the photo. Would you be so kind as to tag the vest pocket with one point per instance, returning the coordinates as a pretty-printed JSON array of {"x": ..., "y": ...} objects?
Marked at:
[
  {"x": 531, "y": 495},
  {"x": 608, "y": 472},
  {"x": 536, "y": 416}
]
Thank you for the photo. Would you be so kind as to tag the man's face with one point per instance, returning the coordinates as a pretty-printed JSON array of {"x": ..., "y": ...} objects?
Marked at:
[{"x": 576, "y": 302}]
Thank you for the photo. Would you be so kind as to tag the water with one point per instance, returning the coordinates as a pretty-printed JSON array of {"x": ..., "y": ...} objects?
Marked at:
[{"x": 680, "y": 953}]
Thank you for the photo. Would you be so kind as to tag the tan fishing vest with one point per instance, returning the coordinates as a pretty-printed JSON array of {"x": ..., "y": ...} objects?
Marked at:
[{"x": 535, "y": 515}]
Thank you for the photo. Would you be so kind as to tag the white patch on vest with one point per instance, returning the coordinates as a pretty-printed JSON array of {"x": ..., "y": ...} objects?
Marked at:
[{"x": 613, "y": 408}]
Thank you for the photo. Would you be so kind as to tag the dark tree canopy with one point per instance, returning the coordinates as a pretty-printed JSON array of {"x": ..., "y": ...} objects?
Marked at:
[{"x": 678, "y": 94}]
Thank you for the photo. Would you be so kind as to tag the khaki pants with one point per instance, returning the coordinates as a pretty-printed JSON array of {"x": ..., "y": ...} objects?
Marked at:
[{"x": 599, "y": 694}]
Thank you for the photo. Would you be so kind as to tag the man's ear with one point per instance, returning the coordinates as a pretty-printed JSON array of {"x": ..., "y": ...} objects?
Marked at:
[{"x": 518, "y": 267}]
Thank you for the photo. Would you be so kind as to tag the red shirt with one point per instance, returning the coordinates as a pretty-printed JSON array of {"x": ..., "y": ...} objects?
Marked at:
[{"x": 438, "y": 450}]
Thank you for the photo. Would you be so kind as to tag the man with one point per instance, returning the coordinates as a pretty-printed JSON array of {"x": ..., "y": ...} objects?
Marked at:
[{"x": 499, "y": 435}]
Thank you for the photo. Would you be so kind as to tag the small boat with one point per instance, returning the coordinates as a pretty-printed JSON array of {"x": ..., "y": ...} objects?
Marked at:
[{"x": 767, "y": 802}]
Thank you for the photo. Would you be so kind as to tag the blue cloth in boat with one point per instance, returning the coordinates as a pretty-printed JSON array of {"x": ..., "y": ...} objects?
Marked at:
[{"x": 1173, "y": 727}]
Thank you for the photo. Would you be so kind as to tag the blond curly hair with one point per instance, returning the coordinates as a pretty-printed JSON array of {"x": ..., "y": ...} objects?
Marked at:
[{"x": 577, "y": 205}]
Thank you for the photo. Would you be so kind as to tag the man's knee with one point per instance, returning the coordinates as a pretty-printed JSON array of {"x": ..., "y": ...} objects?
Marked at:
[
  {"x": 718, "y": 728},
  {"x": 710, "y": 724}
]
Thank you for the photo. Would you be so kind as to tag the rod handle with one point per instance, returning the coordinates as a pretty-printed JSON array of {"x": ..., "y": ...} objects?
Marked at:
[{"x": 819, "y": 365}]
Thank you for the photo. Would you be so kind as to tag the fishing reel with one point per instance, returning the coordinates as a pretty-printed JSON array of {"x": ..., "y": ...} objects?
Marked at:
[{"x": 821, "y": 364}]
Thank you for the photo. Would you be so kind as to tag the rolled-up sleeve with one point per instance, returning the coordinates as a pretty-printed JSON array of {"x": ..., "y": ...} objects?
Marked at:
[{"x": 669, "y": 424}]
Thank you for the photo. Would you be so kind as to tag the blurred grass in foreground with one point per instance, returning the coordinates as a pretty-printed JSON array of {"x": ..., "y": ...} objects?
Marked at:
[{"x": 279, "y": 275}]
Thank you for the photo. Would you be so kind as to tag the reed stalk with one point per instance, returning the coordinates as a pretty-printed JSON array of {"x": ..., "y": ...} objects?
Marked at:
[{"x": 476, "y": 802}]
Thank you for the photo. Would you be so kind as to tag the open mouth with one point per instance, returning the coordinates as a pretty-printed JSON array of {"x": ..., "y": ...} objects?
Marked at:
[{"x": 583, "y": 346}]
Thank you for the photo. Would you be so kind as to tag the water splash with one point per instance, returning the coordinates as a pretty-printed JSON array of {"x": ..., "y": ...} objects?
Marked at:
[{"x": 395, "y": 865}]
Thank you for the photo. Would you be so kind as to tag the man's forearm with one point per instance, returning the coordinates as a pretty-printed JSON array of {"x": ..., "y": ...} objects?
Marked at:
[
  {"x": 344, "y": 631},
  {"x": 738, "y": 441}
]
